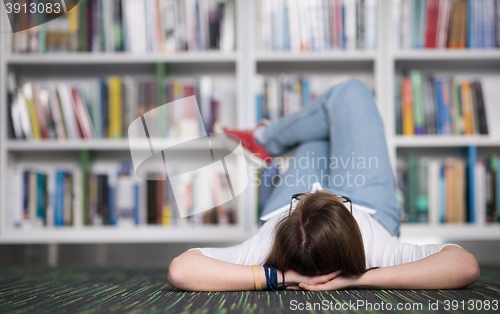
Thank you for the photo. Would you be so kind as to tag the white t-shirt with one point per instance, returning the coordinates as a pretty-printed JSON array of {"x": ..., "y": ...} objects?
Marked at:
[{"x": 381, "y": 249}]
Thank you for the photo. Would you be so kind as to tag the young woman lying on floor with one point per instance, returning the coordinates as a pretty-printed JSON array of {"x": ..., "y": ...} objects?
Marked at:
[{"x": 325, "y": 241}]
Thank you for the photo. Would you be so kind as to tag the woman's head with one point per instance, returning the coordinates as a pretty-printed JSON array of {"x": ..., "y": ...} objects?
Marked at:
[{"x": 320, "y": 236}]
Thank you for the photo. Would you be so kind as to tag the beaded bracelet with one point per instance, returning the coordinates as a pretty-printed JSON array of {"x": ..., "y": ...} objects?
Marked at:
[
  {"x": 283, "y": 274},
  {"x": 272, "y": 278}
]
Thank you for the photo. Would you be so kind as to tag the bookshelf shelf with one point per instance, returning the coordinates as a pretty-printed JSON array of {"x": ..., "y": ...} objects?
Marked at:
[
  {"x": 119, "y": 144},
  {"x": 140, "y": 234},
  {"x": 315, "y": 56},
  {"x": 120, "y": 58},
  {"x": 150, "y": 234},
  {"x": 445, "y": 141},
  {"x": 448, "y": 55},
  {"x": 452, "y": 232}
]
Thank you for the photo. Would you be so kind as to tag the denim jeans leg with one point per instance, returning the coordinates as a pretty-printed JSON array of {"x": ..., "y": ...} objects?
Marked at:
[
  {"x": 346, "y": 116},
  {"x": 308, "y": 124},
  {"x": 360, "y": 166},
  {"x": 307, "y": 166}
]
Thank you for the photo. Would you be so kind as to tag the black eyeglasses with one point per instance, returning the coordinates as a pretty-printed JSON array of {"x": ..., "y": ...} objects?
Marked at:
[{"x": 344, "y": 199}]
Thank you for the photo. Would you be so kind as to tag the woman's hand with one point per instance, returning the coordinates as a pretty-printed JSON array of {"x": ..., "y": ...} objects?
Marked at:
[
  {"x": 293, "y": 279},
  {"x": 450, "y": 268},
  {"x": 337, "y": 283}
]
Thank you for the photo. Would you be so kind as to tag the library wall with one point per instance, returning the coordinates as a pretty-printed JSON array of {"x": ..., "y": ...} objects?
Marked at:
[{"x": 72, "y": 86}]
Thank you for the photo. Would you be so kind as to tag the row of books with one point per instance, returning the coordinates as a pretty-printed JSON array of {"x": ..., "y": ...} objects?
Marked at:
[
  {"x": 131, "y": 26},
  {"x": 440, "y": 104},
  {"x": 450, "y": 190},
  {"x": 37, "y": 197},
  {"x": 55, "y": 196},
  {"x": 162, "y": 206},
  {"x": 314, "y": 25},
  {"x": 278, "y": 96},
  {"x": 104, "y": 108},
  {"x": 429, "y": 24}
]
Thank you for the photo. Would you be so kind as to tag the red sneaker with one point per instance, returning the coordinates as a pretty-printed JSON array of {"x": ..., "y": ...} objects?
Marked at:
[{"x": 250, "y": 146}]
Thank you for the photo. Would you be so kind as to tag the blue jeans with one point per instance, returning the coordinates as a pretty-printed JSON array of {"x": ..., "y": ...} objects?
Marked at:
[{"x": 341, "y": 144}]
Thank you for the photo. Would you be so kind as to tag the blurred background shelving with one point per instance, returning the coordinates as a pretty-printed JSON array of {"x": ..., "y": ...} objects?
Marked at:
[
  {"x": 252, "y": 68},
  {"x": 224, "y": 63},
  {"x": 412, "y": 49}
]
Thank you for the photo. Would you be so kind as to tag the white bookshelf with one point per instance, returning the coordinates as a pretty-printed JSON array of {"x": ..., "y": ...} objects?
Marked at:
[
  {"x": 213, "y": 234},
  {"x": 448, "y": 233},
  {"x": 448, "y": 55},
  {"x": 445, "y": 141},
  {"x": 123, "y": 58},
  {"x": 99, "y": 144},
  {"x": 329, "y": 56},
  {"x": 139, "y": 234},
  {"x": 244, "y": 64}
]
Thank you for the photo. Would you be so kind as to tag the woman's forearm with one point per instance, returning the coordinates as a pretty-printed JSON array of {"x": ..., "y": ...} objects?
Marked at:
[
  {"x": 451, "y": 268},
  {"x": 195, "y": 272}
]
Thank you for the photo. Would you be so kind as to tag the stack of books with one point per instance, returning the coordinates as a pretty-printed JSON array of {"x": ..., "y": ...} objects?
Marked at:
[
  {"x": 429, "y": 24},
  {"x": 54, "y": 196},
  {"x": 278, "y": 96},
  {"x": 315, "y": 25},
  {"x": 450, "y": 190},
  {"x": 104, "y": 108},
  {"x": 440, "y": 104},
  {"x": 163, "y": 26}
]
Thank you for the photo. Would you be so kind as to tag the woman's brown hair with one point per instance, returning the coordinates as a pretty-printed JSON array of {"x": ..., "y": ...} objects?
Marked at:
[{"x": 320, "y": 236}]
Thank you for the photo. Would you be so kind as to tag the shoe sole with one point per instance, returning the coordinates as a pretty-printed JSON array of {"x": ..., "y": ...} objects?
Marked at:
[{"x": 228, "y": 143}]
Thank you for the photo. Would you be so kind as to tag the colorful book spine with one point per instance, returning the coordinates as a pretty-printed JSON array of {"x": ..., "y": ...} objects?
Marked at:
[
  {"x": 407, "y": 107},
  {"x": 497, "y": 185},
  {"x": 397, "y": 100},
  {"x": 443, "y": 199},
  {"x": 431, "y": 29},
  {"x": 450, "y": 177},
  {"x": 115, "y": 106},
  {"x": 439, "y": 105},
  {"x": 28, "y": 94},
  {"x": 418, "y": 102},
  {"x": 422, "y": 198},
  {"x": 59, "y": 199},
  {"x": 447, "y": 106},
  {"x": 457, "y": 108},
  {"x": 413, "y": 173},
  {"x": 467, "y": 108},
  {"x": 471, "y": 164}
]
